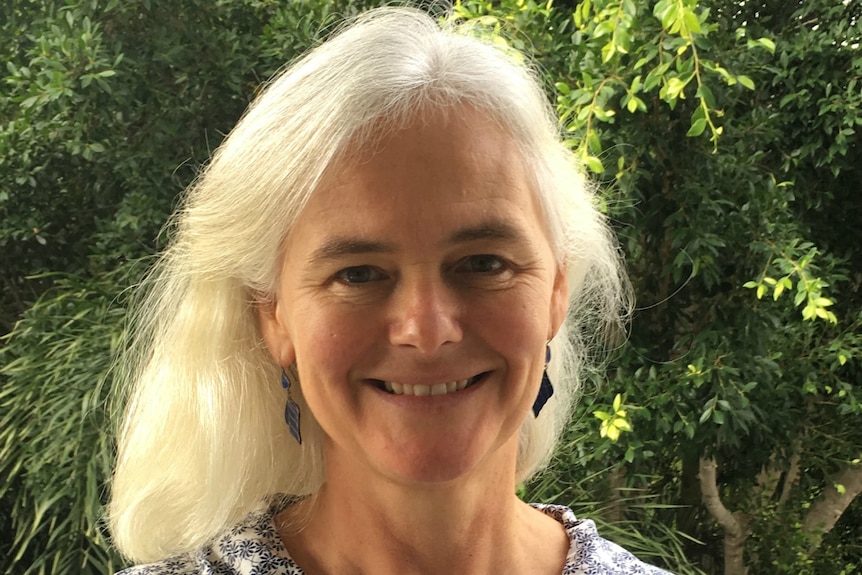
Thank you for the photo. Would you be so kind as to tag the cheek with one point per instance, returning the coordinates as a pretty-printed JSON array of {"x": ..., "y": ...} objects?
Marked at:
[
  {"x": 330, "y": 341},
  {"x": 516, "y": 323}
]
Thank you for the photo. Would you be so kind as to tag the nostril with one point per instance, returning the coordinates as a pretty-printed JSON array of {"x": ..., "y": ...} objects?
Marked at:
[{"x": 425, "y": 316}]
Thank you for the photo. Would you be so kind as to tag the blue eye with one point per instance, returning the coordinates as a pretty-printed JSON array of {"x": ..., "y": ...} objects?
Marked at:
[
  {"x": 482, "y": 264},
  {"x": 359, "y": 275}
]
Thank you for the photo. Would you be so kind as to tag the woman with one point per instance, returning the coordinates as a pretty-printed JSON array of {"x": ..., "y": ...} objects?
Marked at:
[{"x": 390, "y": 243}]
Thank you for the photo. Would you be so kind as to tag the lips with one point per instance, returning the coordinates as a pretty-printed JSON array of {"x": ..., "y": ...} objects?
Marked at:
[{"x": 396, "y": 388}]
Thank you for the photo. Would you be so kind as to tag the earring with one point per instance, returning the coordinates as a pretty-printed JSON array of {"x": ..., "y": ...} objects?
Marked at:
[
  {"x": 291, "y": 410},
  {"x": 546, "y": 390}
]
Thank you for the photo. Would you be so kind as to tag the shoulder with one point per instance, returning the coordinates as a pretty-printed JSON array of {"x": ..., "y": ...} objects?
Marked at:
[
  {"x": 251, "y": 547},
  {"x": 173, "y": 566},
  {"x": 589, "y": 553}
]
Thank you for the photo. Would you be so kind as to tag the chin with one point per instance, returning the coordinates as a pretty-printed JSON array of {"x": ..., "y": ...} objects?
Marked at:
[{"x": 443, "y": 465}]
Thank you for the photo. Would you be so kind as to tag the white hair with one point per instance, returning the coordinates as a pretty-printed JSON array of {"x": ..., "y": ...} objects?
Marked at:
[{"x": 204, "y": 440}]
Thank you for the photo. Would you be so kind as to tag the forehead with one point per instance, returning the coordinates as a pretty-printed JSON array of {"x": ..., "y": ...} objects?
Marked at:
[{"x": 438, "y": 169}]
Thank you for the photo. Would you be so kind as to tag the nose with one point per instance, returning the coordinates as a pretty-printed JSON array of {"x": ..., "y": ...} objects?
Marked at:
[{"x": 425, "y": 315}]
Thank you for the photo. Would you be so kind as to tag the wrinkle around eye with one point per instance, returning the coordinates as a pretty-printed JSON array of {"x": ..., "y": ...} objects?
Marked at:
[
  {"x": 358, "y": 275},
  {"x": 482, "y": 264}
]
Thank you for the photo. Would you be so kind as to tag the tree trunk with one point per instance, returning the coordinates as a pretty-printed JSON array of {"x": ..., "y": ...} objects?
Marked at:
[
  {"x": 826, "y": 511},
  {"x": 791, "y": 477},
  {"x": 690, "y": 496},
  {"x": 617, "y": 482},
  {"x": 735, "y": 525}
]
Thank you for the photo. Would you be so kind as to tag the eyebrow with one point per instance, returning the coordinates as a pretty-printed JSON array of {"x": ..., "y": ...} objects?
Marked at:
[
  {"x": 490, "y": 230},
  {"x": 339, "y": 246}
]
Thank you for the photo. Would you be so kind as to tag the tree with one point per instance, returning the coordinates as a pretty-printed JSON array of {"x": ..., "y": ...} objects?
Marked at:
[
  {"x": 725, "y": 135},
  {"x": 108, "y": 111}
]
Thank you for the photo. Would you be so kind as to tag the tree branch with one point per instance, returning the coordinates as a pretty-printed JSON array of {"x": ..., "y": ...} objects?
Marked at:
[
  {"x": 768, "y": 478},
  {"x": 790, "y": 479},
  {"x": 735, "y": 525},
  {"x": 827, "y": 509},
  {"x": 616, "y": 480}
]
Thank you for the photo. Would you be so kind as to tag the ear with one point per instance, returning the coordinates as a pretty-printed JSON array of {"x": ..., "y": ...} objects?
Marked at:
[
  {"x": 559, "y": 301},
  {"x": 274, "y": 332}
]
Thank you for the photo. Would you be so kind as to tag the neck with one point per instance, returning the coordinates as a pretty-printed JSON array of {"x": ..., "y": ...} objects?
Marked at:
[{"x": 475, "y": 525}]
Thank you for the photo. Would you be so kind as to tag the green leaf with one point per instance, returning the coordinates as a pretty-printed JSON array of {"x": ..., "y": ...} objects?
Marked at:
[
  {"x": 767, "y": 43},
  {"x": 703, "y": 91},
  {"x": 603, "y": 29},
  {"x": 697, "y": 128},
  {"x": 745, "y": 81},
  {"x": 608, "y": 52},
  {"x": 691, "y": 22},
  {"x": 675, "y": 86},
  {"x": 778, "y": 290},
  {"x": 603, "y": 415},
  {"x": 622, "y": 424},
  {"x": 594, "y": 164},
  {"x": 787, "y": 99},
  {"x": 30, "y": 102}
]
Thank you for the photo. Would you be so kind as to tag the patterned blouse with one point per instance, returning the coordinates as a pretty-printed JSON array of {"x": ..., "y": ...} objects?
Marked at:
[{"x": 254, "y": 548}]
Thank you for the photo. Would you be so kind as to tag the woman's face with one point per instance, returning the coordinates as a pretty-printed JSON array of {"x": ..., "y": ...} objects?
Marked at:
[{"x": 418, "y": 291}]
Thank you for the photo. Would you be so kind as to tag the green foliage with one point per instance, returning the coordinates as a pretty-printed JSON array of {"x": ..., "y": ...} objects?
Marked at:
[
  {"x": 629, "y": 513},
  {"x": 614, "y": 421},
  {"x": 723, "y": 134},
  {"x": 108, "y": 109},
  {"x": 55, "y": 452}
]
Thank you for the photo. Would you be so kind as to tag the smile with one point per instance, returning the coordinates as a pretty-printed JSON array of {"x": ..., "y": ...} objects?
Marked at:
[{"x": 396, "y": 388}]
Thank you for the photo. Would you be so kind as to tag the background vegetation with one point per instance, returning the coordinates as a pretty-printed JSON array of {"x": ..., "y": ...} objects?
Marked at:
[{"x": 724, "y": 133}]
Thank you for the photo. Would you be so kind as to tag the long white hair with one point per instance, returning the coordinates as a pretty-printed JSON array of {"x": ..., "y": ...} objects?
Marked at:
[{"x": 204, "y": 441}]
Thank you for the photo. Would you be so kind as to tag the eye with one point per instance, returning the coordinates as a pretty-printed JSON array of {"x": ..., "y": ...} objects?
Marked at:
[
  {"x": 359, "y": 275},
  {"x": 482, "y": 264}
]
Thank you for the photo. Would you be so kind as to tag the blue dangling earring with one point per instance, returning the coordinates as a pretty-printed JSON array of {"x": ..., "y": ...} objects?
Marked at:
[
  {"x": 546, "y": 390},
  {"x": 291, "y": 410}
]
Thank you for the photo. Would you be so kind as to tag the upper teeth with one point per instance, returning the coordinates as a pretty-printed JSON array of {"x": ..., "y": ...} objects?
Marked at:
[{"x": 436, "y": 389}]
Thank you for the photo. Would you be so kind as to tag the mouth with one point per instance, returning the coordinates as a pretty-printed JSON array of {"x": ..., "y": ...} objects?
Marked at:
[{"x": 395, "y": 388}]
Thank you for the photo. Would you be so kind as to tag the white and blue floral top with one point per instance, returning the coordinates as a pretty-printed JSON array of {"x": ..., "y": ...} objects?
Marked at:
[{"x": 254, "y": 548}]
